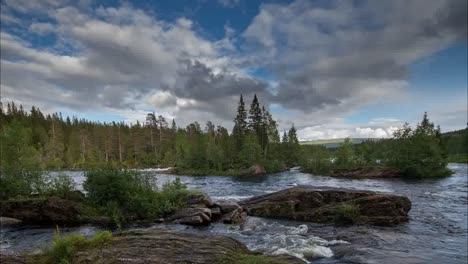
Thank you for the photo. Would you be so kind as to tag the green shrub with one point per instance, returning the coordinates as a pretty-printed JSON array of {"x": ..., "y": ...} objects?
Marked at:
[
  {"x": 347, "y": 214},
  {"x": 63, "y": 249},
  {"x": 62, "y": 186},
  {"x": 126, "y": 194},
  {"x": 20, "y": 183},
  {"x": 274, "y": 166}
]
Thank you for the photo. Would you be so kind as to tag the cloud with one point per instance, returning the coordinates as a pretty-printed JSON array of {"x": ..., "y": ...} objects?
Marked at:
[
  {"x": 121, "y": 58},
  {"x": 323, "y": 62},
  {"x": 343, "y": 55}
]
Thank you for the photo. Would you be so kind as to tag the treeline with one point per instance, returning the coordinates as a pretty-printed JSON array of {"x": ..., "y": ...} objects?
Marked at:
[
  {"x": 53, "y": 142},
  {"x": 419, "y": 152},
  {"x": 457, "y": 145}
]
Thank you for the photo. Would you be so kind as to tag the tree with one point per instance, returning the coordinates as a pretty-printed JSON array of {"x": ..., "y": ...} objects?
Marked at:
[
  {"x": 418, "y": 153},
  {"x": 240, "y": 124},
  {"x": 54, "y": 149},
  {"x": 251, "y": 151},
  {"x": 345, "y": 155},
  {"x": 256, "y": 120}
]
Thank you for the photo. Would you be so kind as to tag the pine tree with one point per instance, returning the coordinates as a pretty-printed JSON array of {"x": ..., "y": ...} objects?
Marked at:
[
  {"x": 240, "y": 124},
  {"x": 292, "y": 135},
  {"x": 255, "y": 118}
]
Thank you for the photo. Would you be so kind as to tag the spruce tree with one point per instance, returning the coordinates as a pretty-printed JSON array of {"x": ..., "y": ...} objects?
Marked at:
[
  {"x": 240, "y": 124},
  {"x": 255, "y": 118}
]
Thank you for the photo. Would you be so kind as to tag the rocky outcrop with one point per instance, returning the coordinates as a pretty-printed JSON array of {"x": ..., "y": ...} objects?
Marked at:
[
  {"x": 325, "y": 205},
  {"x": 192, "y": 216},
  {"x": 257, "y": 169},
  {"x": 201, "y": 210},
  {"x": 370, "y": 172},
  {"x": 164, "y": 246},
  {"x": 51, "y": 210}
]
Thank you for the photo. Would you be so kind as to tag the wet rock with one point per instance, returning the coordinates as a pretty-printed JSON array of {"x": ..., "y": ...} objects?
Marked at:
[
  {"x": 13, "y": 259},
  {"x": 51, "y": 210},
  {"x": 199, "y": 201},
  {"x": 164, "y": 246},
  {"x": 7, "y": 221},
  {"x": 257, "y": 169},
  {"x": 215, "y": 213},
  {"x": 192, "y": 216},
  {"x": 227, "y": 207},
  {"x": 327, "y": 205},
  {"x": 236, "y": 216}
]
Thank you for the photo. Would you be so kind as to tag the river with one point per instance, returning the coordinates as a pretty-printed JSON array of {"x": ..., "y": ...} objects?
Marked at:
[{"x": 436, "y": 233}]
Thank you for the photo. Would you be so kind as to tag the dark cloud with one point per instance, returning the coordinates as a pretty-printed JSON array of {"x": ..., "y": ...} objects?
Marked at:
[
  {"x": 338, "y": 53},
  {"x": 198, "y": 81}
]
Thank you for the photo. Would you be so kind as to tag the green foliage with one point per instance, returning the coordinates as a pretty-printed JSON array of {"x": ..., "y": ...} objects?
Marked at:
[
  {"x": 345, "y": 155},
  {"x": 20, "y": 163},
  {"x": 347, "y": 214},
  {"x": 36, "y": 141},
  {"x": 64, "y": 248},
  {"x": 415, "y": 153},
  {"x": 60, "y": 185},
  {"x": 126, "y": 194},
  {"x": 251, "y": 152}
]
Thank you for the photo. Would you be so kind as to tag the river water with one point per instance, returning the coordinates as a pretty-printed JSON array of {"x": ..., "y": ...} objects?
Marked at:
[{"x": 436, "y": 232}]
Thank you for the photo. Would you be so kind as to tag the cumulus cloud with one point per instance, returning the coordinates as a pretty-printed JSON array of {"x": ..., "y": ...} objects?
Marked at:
[
  {"x": 124, "y": 59},
  {"x": 339, "y": 52},
  {"x": 326, "y": 60}
]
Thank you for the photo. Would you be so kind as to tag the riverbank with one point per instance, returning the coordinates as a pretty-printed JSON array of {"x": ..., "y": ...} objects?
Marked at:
[{"x": 371, "y": 172}]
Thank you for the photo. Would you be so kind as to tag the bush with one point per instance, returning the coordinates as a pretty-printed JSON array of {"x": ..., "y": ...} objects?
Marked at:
[
  {"x": 60, "y": 185},
  {"x": 274, "y": 166},
  {"x": 20, "y": 183},
  {"x": 347, "y": 214},
  {"x": 125, "y": 194},
  {"x": 63, "y": 249}
]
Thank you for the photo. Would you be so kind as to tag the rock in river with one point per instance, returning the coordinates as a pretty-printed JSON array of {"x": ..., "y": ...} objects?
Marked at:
[
  {"x": 51, "y": 210},
  {"x": 328, "y": 205}
]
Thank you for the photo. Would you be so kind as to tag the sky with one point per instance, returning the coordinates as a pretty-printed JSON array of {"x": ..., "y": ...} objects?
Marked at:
[{"x": 334, "y": 69}]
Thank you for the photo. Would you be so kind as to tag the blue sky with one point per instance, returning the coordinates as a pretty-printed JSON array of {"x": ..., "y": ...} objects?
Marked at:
[{"x": 333, "y": 68}]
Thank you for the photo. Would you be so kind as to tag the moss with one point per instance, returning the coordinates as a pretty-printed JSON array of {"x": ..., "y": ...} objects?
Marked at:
[{"x": 347, "y": 214}]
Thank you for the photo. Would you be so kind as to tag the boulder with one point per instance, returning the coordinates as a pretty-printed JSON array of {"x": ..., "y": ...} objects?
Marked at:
[
  {"x": 199, "y": 200},
  {"x": 257, "y": 169},
  {"x": 215, "y": 213},
  {"x": 50, "y": 210},
  {"x": 330, "y": 205},
  {"x": 236, "y": 216},
  {"x": 192, "y": 216},
  {"x": 227, "y": 206}
]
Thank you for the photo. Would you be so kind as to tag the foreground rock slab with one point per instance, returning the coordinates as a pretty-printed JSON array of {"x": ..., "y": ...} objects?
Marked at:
[
  {"x": 331, "y": 205},
  {"x": 164, "y": 246}
]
